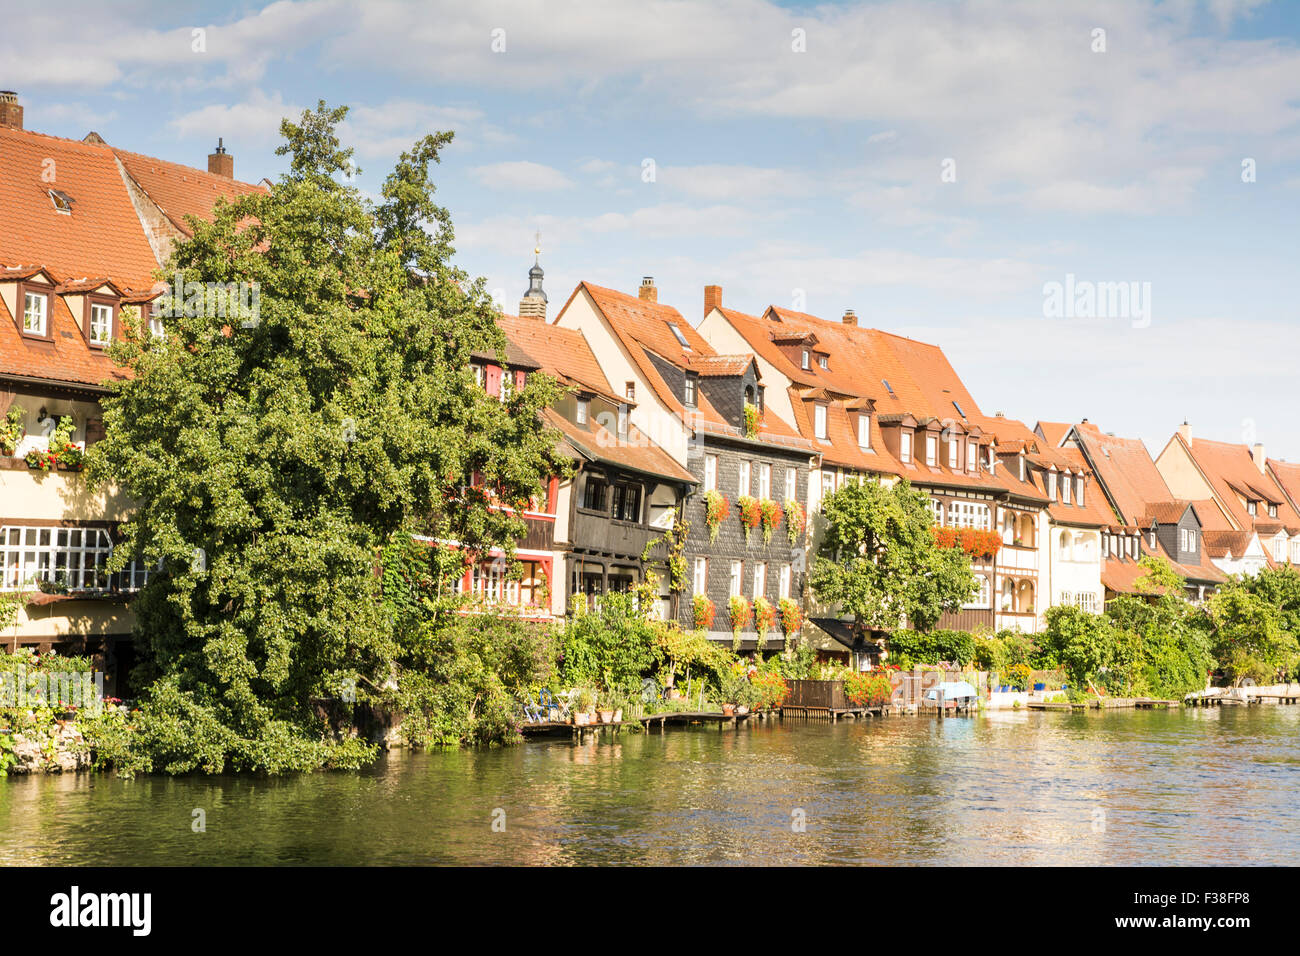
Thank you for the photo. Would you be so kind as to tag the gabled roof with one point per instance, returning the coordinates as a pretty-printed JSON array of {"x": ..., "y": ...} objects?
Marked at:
[
  {"x": 1227, "y": 544},
  {"x": 65, "y": 357},
  {"x": 1126, "y": 469},
  {"x": 637, "y": 453},
  {"x": 1287, "y": 476},
  {"x": 1054, "y": 432},
  {"x": 562, "y": 353},
  {"x": 1230, "y": 469},
  {"x": 720, "y": 366},
  {"x": 181, "y": 191}
]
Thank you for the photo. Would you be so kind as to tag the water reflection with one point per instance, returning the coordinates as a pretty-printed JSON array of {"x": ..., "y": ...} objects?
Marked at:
[{"x": 1194, "y": 787}]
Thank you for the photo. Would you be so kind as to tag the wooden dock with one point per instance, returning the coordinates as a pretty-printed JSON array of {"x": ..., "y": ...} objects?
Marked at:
[
  {"x": 833, "y": 714},
  {"x": 1102, "y": 703}
]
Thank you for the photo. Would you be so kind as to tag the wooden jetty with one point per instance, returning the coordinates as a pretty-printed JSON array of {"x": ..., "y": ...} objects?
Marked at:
[
  {"x": 833, "y": 714},
  {"x": 1288, "y": 698}
]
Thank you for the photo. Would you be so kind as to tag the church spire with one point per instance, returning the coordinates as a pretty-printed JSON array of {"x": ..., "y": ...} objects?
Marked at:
[{"x": 533, "y": 304}]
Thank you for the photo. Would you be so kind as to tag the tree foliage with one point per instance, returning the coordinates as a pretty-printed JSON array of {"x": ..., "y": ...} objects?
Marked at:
[
  {"x": 270, "y": 457},
  {"x": 879, "y": 562}
]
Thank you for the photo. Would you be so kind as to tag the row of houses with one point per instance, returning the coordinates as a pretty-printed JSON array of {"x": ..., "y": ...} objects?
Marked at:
[{"x": 662, "y": 415}]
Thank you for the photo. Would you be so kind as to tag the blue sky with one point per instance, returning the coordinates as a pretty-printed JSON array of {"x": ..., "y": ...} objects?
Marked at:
[{"x": 810, "y": 176}]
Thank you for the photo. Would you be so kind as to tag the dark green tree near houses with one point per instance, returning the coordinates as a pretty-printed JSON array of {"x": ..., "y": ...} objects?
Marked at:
[
  {"x": 271, "y": 456},
  {"x": 878, "y": 560}
]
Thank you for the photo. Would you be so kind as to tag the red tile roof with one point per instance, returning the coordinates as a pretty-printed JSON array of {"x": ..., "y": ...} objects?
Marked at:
[
  {"x": 638, "y": 452},
  {"x": 1127, "y": 470},
  {"x": 66, "y": 357},
  {"x": 560, "y": 352},
  {"x": 1231, "y": 470},
  {"x": 181, "y": 191}
]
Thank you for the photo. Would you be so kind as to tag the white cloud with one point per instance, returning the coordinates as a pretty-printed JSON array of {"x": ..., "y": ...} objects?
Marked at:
[{"x": 523, "y": 175}]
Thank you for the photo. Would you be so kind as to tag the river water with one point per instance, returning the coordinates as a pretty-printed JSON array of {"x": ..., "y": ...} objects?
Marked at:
[{"x": 1124, "y": 787}]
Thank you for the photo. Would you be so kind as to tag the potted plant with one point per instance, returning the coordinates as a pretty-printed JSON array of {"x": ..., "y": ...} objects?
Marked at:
[
  {"x": 584, "y": 706},
  {"x": 764, "y": 618},
  {"x": 731, "y": 688},
  {"x": 11, "y": 429},
  {"x": 770, "y": 514},
  {"x": 741, "y": 614},
  {"x": 605, "y": 709},
  {"x": 795, "y": 520}
]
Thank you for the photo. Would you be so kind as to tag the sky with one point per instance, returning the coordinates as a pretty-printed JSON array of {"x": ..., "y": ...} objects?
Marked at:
[{"x": 946, "y": 170}]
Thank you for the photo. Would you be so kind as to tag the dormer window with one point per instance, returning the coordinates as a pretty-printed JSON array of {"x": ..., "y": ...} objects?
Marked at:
[
  {"x": 1189, "y": 540},
  {"x": 1021, "y": 461},
  {"x": 803, "y": 360},
  {"x": 100, "y": 328},
  {"x": 677, "y": 333},
  {"x": 972, "y": 456},
  {"x": 1051, "y": 485},
  {"x": 1078, "y": 490},
  {"x": 819, "y": 421},
  {"x": 1272, "y": 510},
  {"x": 62, "y": 201},
  {"x": 36, "y": 313},
  {"x": 954, "y": 455},
  {"x": 905, "y": 446},
  {"x": 822, "y": 361},
  {"x": 1250, "y": 508},
  {"x": 689, "y": 392},
  {"x": 1151, "y": 539},
  {"x": 622, "y": 420},
  {"x": 584, "y": 408},
  {"x": 932, "y": 450},
  {"x": 864, "y": 431},
  {"x": 1065, "y": 490}
]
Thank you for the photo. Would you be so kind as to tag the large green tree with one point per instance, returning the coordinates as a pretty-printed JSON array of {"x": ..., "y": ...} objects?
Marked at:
[
  {"x": 879, "y": 562},
  {"x": 271, "y": 455}
]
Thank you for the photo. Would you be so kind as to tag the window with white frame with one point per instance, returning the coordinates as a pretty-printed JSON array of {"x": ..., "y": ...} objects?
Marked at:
[
  {"x": 1051, "y": 485},
  {"x": 969, "y": 514},
  {"x": 1250, "y": 508},
  {"x": 954, "y": 454},
  {"x": 784, "y": 586},
  {"x": 584, "y": 406},
  {"x": 905, "y": 446},
  {"x": 700, "y": 579},
  {"x": 764, "y": 480},
  {"x": 819, "y": 421},
  {"x": 36, "y": 317},
  {"x": 742, "y": 482},
  {"x": 864, "y": 431},
  {"x": 760, "y": 579},
  {"x": 74, "y": 558},
  {"x": 1189, "y": 539},
  {"x": 984, "y": 598},
  {"x": 689, "y": 396},
  {"x": 931, "y": 449},
  {"x": 972, "y": 456},
  {"x": 101, "y": 323},
  {"x": 791, "y": 483},
  {"x": 936, "y": 510},
  {"x": 828, "y": 482},
  {"x": 1078, "y": 490},
  {"x": 1065, "y": 490},
  {"x": 803, "y": 359},
  {"x": 734, "y": 583},
  {"x": 710, "y": 472}
]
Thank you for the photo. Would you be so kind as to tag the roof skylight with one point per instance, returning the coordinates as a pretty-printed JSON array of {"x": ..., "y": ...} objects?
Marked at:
[{"x": 681, "y": 339}]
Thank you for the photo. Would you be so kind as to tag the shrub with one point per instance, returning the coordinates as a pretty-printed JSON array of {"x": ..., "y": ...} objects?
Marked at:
[
  {"x": 909, "y": 648},
  {"x": 867, "y": 688}
]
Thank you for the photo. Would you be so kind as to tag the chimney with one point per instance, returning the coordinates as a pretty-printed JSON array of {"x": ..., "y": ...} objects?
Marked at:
[
  {"x": 11, "y": 111},
  {"x": 648, "y": 290},
  {"x": 1258, "y": 454},
  {"x": 1185, "y": 430},
  {"x": 850, "y": 318},
  {"x": 712, "y": 298},
  {"x": 221, "y": 163}
]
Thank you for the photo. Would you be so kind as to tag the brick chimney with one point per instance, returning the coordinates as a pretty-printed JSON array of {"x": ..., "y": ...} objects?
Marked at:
[
  {"x": 221, "y": 163},
  {"x": 1258, "y": 454},
  {"x": 11, "y": 111},
  {"x": 712, "y": 298},
  {"x": 648, "y": 290},
  {"x": 1185, "y": 430},
  {"x": 850, "y": 317}
]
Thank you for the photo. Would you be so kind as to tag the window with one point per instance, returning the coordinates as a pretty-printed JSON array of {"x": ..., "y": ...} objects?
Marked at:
[
  {"x": 972, "y": 455},
  {"x": 593, "y": 498},
  {"x": 1250, "y": 508},
  {"x": 791, "y": 483},
  {"x": 157, "y": 330},
  {"x": 954, "y": 455},
  {"x": 803, "y": 361},
  {"x": 689, "y": 399},
  {"x": 101, "y": 323},
  {"x": 742, "y": 483},
  {"x": 889, "y": 388},
  {"x": 931, "y": 449},
  {"x": 760, "y": 579},
  {"x": 764, "y": 481},
  {"x": 677, "y": 333},
  {"x": 62, "y": 201},
  {"x": 1051, "y": 485},
  {"x": 1189, "y": 540},
  {"x": 622, "y": 420},
  {"x": 819, "y": 421},
  {"x": 700, "y": 580},
  {"x": 1078, "y": 490},
  {"x": 828, "y": 483},
  {"x": 733, "y": 585},
  {"x": 710, "y": 472},
  {"x": 936, "y": 509},
  {"x": 506, "y": 382},
  {"x": 957, "y": 406},
  {"x": 821, "y": 360},
  {"x": 783, "y": 589},
  {"x": 864, "y": 431},
  {"x": 969, "y": 514},
  {"x": 584, "y": 406},
  {"x": 1272, "y": 510},
  {"x": 35, "y": 313},
  {"x": 480, "y": 373},
  {"x": 1105, "y": 545},
  {"x": 629, "y": 391},
  {"x": 1020, "y": 459},
  {"x": 905, "y": 446},
  {"x": 627, "y": 502},
  {"x": 1065, "y": 490},
  {"x": 72, "y": 557},
  {"x": 1151, "y": 539},
  {"x": 984, "y": 598}
]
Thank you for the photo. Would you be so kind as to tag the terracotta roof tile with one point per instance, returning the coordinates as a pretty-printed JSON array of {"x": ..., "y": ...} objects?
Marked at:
[{"x": 1230, "y": 469}]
